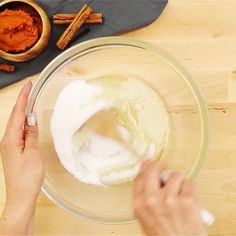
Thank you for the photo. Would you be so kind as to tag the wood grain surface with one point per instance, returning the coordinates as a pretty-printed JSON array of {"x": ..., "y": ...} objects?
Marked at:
[{"x": 202, "y": 35}]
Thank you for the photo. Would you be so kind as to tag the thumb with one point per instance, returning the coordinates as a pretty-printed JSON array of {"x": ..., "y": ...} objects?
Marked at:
[{"x": 31, "y": 131}]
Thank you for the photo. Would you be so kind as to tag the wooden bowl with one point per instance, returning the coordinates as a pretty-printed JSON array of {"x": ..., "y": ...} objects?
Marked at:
[{"x": 32, "y": 7}]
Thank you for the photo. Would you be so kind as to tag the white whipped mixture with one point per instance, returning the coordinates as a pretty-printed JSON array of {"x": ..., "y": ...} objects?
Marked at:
[{"x": 95, "y": 157}]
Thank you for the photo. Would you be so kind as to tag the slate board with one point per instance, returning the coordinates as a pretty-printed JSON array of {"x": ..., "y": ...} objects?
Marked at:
[{"x": 119, "y": 16}]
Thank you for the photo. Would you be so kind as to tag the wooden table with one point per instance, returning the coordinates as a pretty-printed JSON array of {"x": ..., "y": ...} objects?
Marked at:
[{"x": 202, "y": 35}]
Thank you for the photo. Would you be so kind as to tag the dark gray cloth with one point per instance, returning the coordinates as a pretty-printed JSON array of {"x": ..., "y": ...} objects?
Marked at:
[{"x": 119, "y": 16}]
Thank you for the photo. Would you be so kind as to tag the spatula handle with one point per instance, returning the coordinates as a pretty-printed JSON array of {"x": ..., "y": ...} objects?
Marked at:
[{"x": 207, "y": 217}]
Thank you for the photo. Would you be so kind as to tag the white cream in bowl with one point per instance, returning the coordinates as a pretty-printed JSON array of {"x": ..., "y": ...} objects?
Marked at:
[{"x": 103, "y": 128}]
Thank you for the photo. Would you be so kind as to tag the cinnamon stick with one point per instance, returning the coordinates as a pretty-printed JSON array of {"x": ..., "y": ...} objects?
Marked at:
[
  {"x": 63, "y": 19},
  {"x": 74, "y": 26},
  {"x": 7, "y": 67}
]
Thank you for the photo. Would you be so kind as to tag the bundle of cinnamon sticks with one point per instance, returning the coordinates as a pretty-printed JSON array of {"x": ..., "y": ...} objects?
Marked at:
[
  {"x": 64, "y": 19},
  {"x": 75, "y": 21}
]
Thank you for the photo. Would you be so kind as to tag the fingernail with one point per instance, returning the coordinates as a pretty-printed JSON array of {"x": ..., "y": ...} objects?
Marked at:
[
  {"x": 164, "y": 177},
  {"x": 25, "y": 85},
  {"x": 146, "y": 159},
  {"x": 31, "y": 119}
]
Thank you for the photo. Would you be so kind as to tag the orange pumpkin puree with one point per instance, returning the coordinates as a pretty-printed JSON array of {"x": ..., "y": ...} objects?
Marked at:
[{"x": 18, "y": 31}]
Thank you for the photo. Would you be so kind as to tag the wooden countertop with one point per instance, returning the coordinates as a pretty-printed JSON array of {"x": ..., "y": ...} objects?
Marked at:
[{"x": 202, "y": 35}]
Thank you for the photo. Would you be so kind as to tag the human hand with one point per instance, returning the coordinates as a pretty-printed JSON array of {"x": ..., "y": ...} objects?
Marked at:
[
  {"x": 23, "y": 166},
  {"x": 170, "y": 210}
]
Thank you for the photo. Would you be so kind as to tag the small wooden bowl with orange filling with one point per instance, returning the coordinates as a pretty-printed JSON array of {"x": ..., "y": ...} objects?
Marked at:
[{"x": 24, "y": 30}]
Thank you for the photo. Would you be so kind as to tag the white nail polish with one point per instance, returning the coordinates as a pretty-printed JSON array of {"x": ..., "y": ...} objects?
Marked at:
[
  {"x": 31, "y": 120},
  {"x": 26, "y": 83}
]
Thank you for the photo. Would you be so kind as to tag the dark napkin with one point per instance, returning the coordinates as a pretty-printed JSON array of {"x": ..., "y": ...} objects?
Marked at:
[{"x": 119, "y": 16}]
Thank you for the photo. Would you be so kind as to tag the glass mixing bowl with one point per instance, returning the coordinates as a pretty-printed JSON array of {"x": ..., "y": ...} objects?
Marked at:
[{"x": 187, "y": 145}]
